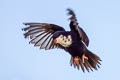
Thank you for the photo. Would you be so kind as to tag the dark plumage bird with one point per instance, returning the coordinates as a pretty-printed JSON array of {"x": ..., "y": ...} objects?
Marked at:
[{"x": 75, "y": 42}]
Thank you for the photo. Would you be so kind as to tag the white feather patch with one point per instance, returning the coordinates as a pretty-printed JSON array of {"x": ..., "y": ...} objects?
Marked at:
[{"x": 64, "y": 41}]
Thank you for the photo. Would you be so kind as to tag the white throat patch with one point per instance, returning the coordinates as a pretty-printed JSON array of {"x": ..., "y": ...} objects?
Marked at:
[{"x": 64, "y": 41}]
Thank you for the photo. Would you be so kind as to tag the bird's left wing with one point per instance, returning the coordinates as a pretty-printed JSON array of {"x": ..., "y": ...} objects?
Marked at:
[{"x": 40, "y": 34}]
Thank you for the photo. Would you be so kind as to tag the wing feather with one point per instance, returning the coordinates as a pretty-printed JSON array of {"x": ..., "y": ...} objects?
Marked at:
[
  {"x": 44, "y": 41},
  {"x": 76, "y": 28},
  {"x": 40, "y": 34},
  {"x": 40, "y": 41},
  {"x": 36, "y": 37}
]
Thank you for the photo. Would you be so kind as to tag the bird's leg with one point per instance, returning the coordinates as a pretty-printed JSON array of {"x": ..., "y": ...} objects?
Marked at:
[
  {"x": 83, "y": 58},
  {"x": 76, "y": 60}
]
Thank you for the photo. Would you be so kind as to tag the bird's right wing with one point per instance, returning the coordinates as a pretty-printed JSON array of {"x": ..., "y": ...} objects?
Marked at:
[
  {"x": 76, "y": 28},
  {"x": 41, "y": 34}
]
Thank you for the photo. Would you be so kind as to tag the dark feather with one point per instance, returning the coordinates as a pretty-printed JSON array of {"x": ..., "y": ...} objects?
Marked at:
[
  {"x": 76, "y": 28},
  {"x": 38, "y": 32}
]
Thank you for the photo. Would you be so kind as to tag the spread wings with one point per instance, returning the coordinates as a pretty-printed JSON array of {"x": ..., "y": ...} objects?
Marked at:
[
  {"x": 75, "y": 27},
  {"x": 41, "y": 34}
]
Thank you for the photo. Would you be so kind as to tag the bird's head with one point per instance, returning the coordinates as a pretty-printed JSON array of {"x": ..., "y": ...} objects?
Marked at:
[{"x": 62, "y": 38}]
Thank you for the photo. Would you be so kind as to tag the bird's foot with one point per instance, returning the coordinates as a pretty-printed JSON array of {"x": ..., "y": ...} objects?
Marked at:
[
  {"x": 76, "y": 60},
  {"x": 83, "y": 58}
]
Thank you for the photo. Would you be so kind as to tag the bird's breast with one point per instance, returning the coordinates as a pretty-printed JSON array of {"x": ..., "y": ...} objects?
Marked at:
[{"x": 77, "y": 49}]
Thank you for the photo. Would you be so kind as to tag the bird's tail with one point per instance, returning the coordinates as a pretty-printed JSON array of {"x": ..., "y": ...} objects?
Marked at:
[{"x": 91, "y": 61}]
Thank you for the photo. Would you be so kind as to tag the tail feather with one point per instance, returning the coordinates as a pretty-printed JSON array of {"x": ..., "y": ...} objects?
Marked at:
[
  {"x": 93, "y": 62},
  {"x": 93, "y": 59}
]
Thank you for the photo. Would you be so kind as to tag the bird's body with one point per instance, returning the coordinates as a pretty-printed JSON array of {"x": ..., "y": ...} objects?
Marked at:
[
  {"x": 75, "y": 42},
  {"x": 76, "y": 47}
]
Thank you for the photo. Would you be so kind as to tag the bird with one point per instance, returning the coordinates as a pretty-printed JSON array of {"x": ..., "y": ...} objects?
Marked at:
[{"x": 75, "y": 42}]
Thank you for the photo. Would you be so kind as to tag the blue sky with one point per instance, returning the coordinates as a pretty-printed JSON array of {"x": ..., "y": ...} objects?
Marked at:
[{"x": 20, "y": 61}]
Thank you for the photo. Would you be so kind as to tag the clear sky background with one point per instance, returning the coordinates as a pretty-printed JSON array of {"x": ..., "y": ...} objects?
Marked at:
[{"x": 20, "y": 61}]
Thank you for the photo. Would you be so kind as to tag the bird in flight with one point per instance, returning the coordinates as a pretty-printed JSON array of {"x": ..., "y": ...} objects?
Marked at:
[{"x": 75, "y": 42}]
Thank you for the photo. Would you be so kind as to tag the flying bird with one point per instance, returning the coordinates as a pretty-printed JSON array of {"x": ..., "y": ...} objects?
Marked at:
[{"x": 75, "y": 42}]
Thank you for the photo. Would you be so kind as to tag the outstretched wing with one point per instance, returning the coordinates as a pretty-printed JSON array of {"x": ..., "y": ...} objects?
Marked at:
[
  {"x": 41, "y": 34},
  {"x": 75, "y": 27}
]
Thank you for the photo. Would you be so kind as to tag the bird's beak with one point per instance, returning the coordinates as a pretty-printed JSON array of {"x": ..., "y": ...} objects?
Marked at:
[{"x": 54, "y": 40}]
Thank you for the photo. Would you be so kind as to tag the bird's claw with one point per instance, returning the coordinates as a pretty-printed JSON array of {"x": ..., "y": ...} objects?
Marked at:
[
  {"x": 76, "y": 60},
  {"x": 83, "y": 58}
]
